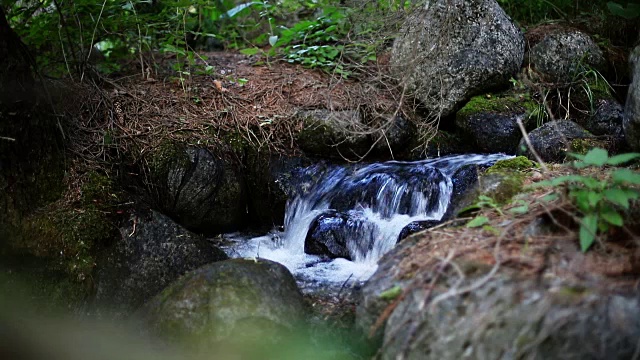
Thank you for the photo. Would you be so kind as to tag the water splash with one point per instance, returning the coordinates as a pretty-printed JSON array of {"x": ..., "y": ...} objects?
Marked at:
[{"x": 377, "y": 200}]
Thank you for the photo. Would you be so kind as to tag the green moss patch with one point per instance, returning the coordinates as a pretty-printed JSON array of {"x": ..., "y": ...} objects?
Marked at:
[{"x": 498, "y": 104}]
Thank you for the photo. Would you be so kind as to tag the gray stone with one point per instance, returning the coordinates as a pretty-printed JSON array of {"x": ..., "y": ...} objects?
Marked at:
[
  {"x": 553, "y": 140},
  {"x": 447, "y": 51},
  {"x": 152, "y": 252},
  {"x": 201, "y": 192},
  {"x": 220, "y": 301},
  {"x": 562, "y": 54},
  {"x": 492, "y": 132},
  {"x": 328, "y": 133},
  {"x": 631, "y": 122}
]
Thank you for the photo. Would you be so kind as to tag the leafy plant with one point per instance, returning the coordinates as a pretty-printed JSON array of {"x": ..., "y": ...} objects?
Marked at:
[
  {"x": 601, "y": 200},
  {"x": 631, "y": 11}
]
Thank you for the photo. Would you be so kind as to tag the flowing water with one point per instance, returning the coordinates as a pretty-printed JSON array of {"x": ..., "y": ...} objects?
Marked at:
[{"x": 378, "y": 200}]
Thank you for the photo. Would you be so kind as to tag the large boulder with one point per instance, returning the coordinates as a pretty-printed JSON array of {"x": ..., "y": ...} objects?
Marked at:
[
  {"x": 564, "y": 53},
  {"x": 201, "y": 192},
  {"x": 469, "y": 297},
  {"x": 553, "y": 140},
  {"x": 631, "y": 123},
  {"x": 447, "y": 51},
  {"x": 152, "y": 252},
  {"x": 226, "y": 300},
  {"x": 511, "y": 317}
]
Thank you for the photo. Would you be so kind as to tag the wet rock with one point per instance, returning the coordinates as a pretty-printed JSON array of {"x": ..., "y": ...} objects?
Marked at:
[
  {"x": 201, "y": 192},
  {"x": 491, "y": 123},
  {"x": 465, "y": 189},
  {"x": 448, "y": 51},
  {"x": 152, "y": 252},
  {"x": 331, "y": 235},
  {"x": 631, "y": 122},
  {"x": 271, "y": 181},
  {"x": 509, "y": 317},
  {"x": 553, "y": 140},
  {"x": 222, "y": 300},
  {"x": 562, "y": 54},
  {"x": 416, "y": 227},
  {"x": 333, "y": 134}
]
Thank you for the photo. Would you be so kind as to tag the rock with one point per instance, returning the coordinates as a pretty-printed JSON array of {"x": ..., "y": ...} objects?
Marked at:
[
  {"x": 222, "y": 300},
  {"x": 448, "y": 51},
  {"x": 607, "y": 119},
  {"x": 562, "y": 54},
  {"x": 631, "y": 122},
  {"x": 331, "y": 232},
  {"x": 152, "y": 252},
  {"x": 416, "y": 227},
  {"x": 553, "y": 140},
  {"x": 271, "y": 181},
  {"x": 201, "y": 192},
  {"x": 441, "y": 144},
  {"x": 372, "y": 300},
  {"x": 465, "y": 190},
  {"x": 509, "y": 317},
  {"x": 395, "y": 135},
  {"x": 491, "y": 123},
  {"x": 334, "y": 134}
]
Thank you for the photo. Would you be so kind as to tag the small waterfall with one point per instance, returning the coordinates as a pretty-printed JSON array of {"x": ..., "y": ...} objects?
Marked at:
[{"x": 366, "y": 205}]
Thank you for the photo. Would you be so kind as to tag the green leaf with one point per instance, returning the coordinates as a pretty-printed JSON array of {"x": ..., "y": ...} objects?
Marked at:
[
  {"x": 622, "y": 158},
  {"x": 391, "y": 293},
  {"x": 477, "y": 222},
  {"x": 618, "y": 197},
  {"x": 250, "y": 51},
  {"x": 576, "y": 156},
  {"x": 596, "y": 157},
  {"x": 550, "y": 197},
  {"x": 626, "y": 175},
  {"x": 612, "y": 217},
  {"x": 588, "y": 227}
]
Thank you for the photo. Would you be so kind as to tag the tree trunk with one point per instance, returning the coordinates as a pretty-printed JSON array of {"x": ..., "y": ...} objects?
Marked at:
[{"x": 16, "y": 78}]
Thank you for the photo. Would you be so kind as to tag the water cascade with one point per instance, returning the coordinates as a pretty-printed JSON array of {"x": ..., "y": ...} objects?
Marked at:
[{"x": 365, "y": 206}]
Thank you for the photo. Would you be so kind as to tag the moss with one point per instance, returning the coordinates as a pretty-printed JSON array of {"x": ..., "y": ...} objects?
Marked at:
[
  {"x": 582, "y": 146},
  {"x": 498, "y": 104},
  {"x": 506, "y": 178},
  {"x": 167, "y": 154},
  {"x": 518, "y": 163}
]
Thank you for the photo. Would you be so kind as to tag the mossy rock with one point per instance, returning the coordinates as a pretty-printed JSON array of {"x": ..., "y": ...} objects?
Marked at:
[
  {"x": 333, "y": 134},
  {"x": 69, "y": 233},
  {"x": 490, "y": 122},
  {"x": 210, "y": 304},
  {"x": 518, "y": 163},
  {"x": 505, "y": 178}
]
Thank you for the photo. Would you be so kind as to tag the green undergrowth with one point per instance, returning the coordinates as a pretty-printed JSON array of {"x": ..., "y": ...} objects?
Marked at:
[{"x": 66, "y": 234}]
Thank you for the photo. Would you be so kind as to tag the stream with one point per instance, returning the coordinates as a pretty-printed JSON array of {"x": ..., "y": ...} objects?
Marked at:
[{"x": 365, "y": 205}]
